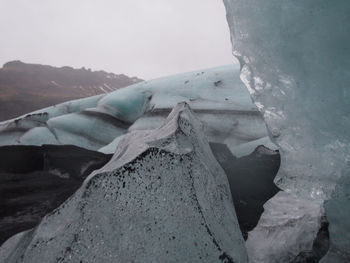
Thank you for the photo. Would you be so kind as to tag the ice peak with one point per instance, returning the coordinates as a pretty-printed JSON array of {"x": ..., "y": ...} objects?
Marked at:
[{"x": 162, "y": 198}]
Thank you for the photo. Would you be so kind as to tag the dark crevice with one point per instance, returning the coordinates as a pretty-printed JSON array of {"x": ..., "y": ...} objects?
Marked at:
[
  {"x": 165, "y": 112},
  {"x": 107, "y": 118},
  {"x": 251, "y": 181},
  {"x": 34, "y": 180}
]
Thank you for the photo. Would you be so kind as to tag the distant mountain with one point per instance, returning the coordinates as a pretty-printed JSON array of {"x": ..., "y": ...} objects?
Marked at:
[{"x": 28, "y": 87}]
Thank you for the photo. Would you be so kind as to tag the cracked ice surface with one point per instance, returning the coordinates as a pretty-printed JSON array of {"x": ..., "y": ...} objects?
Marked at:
[
  {"x": 295, "y": 63},
  {"x": 162, "y": 198}
]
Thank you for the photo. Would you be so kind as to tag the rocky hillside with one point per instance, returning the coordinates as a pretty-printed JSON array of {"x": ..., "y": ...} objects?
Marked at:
[{"x": 27, "y": 87}]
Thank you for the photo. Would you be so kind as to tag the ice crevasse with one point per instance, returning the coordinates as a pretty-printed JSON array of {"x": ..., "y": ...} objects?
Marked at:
[{"x": 295, "y": 61}]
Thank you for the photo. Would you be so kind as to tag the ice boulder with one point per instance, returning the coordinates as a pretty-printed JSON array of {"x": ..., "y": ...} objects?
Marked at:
[
  {"x": 287, "y": 229},
  {"x": 162, "y": 198}
]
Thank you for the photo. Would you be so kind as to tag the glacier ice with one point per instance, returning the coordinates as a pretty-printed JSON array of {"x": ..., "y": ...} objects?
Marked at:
[
  {"x": 287, "y": 228},
  {"x": 88, "y": 129},
  {"x": 161, "y": 198},
  {"x": 338, "y": 213},
  {"x": 31, "y": 137},
  {"x": 110, "y": 148},
  {"x": 217, "y": 96},
  {"x": 127, "y": 104},
  {"x": 294, "y": 58}
]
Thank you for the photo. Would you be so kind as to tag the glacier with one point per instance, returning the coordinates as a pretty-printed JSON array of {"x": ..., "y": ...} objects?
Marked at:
[
  {"x": 163, "y": 197},
  {"x": 294, "y": 61},
  {"x": 231, "y": 123},
  {"x": 294, "y": 58},
  {"x": 217, "y": 96}
]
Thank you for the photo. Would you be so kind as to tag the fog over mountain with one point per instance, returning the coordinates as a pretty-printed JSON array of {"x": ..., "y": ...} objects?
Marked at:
[{"x": 148, "y": 39}]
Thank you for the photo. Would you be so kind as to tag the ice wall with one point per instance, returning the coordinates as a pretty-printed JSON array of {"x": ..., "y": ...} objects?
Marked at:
[{"x": 295, "y": 60}]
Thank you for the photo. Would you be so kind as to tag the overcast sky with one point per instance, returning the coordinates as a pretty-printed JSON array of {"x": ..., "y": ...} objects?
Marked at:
[{"x": 143, "y": 38}]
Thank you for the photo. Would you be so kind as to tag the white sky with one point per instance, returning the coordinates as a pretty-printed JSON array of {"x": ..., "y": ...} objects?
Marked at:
[{"x": 143, "y": 38}]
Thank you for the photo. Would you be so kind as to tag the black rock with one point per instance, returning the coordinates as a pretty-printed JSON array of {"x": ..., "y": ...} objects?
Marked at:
[{"x": 35, "y": 180}]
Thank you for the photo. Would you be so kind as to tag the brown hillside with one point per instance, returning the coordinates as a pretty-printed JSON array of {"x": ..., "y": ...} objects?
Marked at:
[{"x": 28, "y": 87}]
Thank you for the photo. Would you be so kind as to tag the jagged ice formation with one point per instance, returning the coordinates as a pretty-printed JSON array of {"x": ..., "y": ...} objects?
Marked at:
[{"x": 162, "y": 198}]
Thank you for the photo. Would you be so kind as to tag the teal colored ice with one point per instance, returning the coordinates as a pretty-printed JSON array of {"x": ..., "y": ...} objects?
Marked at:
[{"x": 295, "y": 59}]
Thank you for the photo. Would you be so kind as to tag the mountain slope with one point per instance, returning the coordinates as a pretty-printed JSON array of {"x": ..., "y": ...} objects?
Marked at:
[{"x": 27, "y": 87}]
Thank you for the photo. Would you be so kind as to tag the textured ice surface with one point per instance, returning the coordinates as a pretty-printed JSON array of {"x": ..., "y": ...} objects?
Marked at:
[
  {"x": 295, "y": 62},
  {"x": 110, "y": 148},
  {"x": 288, "y": 227},
  {"x": 162, "y": 198},
  {"x": 86, "y": 129},
  {"x": 44, "y": 134},
  {"x": 338, "y": 213},
  {"x": 126, "y": 104},
  {"x": 218, "y": 97}
]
